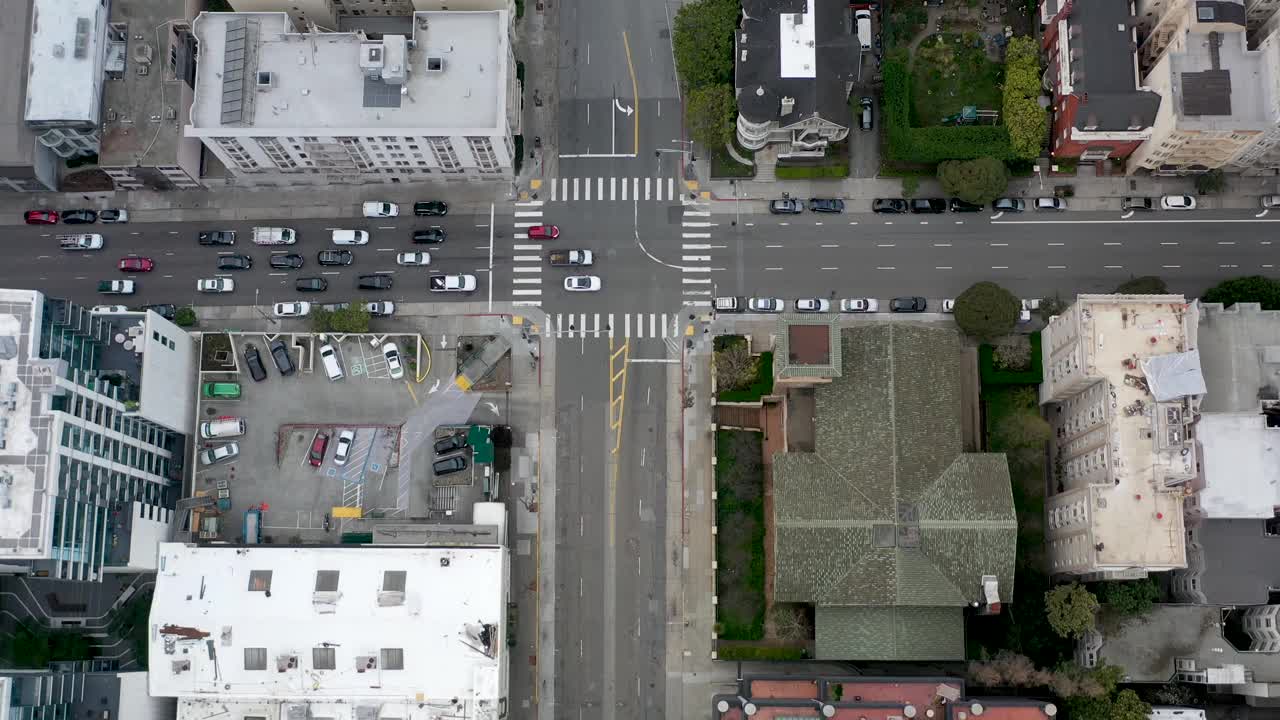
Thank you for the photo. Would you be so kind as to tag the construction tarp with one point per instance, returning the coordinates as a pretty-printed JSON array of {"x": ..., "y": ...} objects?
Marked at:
[{"x": 1174, "y": 375}]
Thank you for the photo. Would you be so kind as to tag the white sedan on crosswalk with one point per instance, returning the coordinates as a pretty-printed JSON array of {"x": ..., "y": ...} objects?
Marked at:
[{"x": 582, "y": 283}]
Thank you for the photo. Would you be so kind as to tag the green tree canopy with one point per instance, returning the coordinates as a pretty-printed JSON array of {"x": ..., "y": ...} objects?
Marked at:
[
  {"x": 986, "y": 311},
  {"x": 1253, "y": 288},
  {"x": 1089, "y": 708},
  {"x": 977, "y": 181},
  {"x": 1024, "y": 430},
  {"x": 1213, "y": 181},
  {"x": 185, "y": 317},
  {"x": 1026, "y": 121},
  {"x": 711, "y": 111},
  {"x": 1128, "y": 597},
  {"x": 1128, "y": 706},
  {"x": 1072, "y": 610},
  {"x": 1144, "y": 285},
  {"x": 702, "y": 38}
]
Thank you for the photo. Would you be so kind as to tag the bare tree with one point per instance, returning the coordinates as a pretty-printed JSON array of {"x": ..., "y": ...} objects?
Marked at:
[{"x": 735, "y": 367}]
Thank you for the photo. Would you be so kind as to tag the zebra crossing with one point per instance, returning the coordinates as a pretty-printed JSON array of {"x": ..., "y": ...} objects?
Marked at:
[
  {"x": 695, "y": 254},
  {"x": 638, "y": 326},
  {"x": 613, "y": 189},
  {"x": 527, "y": 258}
]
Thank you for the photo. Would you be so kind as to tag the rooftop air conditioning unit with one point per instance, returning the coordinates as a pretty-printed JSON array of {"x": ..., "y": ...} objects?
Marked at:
[
  {"x": 365, "y": 663},
  {"x": 266, "y": 80},
  {"x": 435, "y": 64}
]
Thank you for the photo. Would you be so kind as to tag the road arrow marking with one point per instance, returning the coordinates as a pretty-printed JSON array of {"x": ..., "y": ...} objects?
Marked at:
[
  {"x": 493, "y": 407},
  {"x": 1127, "y": 215},
  {"x": 997, "y": 216},
  {"x": 443, "y": 344},
  {"x": 622, "y": 109},
  {"x": 434, "y": 386}
]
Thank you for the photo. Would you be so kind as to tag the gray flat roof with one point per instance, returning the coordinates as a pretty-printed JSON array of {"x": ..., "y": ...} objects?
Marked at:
[
  {"x": 1147, "y": 646},
  {"x": 1234, "y": 357},
  {"x": 318, "y": 83},
  {"x": 1216, "y": 86}
]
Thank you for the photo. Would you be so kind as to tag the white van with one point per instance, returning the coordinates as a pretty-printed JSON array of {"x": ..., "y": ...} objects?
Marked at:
[
  {"x": 223, "y": 427},
  {"x": 350, "y": 237},
  {"x": 274, "y": 236},
  {"x": 864, "y": 28},
  {"x": 332, "y": 367}
]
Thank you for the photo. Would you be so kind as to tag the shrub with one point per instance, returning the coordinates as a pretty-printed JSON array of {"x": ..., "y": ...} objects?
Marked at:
[
  {"x": 1128, "y": 597},
  {"x": 985, "y": 310},
  {"x": 751, "y": 652},
  {"x": 1145, "y": 285},
  {"x": 711, "y": 111},
  {"x": 185, "y": 317},
  {"x": 992, "y": 375},
  {"x": 1254, "y": 288},
  {"x": 977, "y": 181},
  {"x": 1211, "y": 182},
  {"x": 1013, "y": 353},
  {"x": 735, "y": 367},
  {"x": 1026, "y": 121}
]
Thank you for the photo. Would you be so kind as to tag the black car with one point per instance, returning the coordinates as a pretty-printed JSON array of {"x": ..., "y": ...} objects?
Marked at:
[
  {"x": 449, "y": 465},
  {"x": 960, "y": 206},
  {"x": 1137, "y": 203},
  {"x": 433, "y": 235},
  {"x": 235, "y": 262},
  {"x": 253, "y": 361},
  {"x": 218, "y": 237},
  {"x": 280, "y": 356},
  {"x": 907, "y": 304},
  {"x": 164, "y": 310},
  {"x": 335, "y": 257},
  {"x": 928, "y": 206},
  {"x": 893, "y": 206},
  {"x": 311, "y": 284},
  {"x": 79, "y": 217},
  {"x": 785, "y": 206},
  {"x": 335, "y": 307},
  {"x": 431, "y": 207},
  {"x": 286, "y": 261},
  {"x": 826, "y": 205},
  {"x": 374, "y": 282},
  {"x": 447, "y": 445}
]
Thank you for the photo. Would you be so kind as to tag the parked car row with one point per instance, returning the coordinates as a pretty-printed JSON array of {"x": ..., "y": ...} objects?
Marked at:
[
  {"x": 907, "y": 304},
  {"x": 935, "y": 206},
  {"x": 451, "y": 455},
  {"x": 76, "y": 217}
]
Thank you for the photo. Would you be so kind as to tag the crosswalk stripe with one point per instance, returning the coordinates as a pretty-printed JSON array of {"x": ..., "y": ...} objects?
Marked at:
[
  {"x": 596, "y": 332},
  {"x": 626, "y": 325},
  {"x": 695, "y": 281},
  {"x": 695, "y": 258},
  {"x": 697, "y": 303},
  {"x": 646, "y": 188},
  {"x": 528, "y": 303},
  {"x": 613, "y": 188},
  {"x": 524, "y": 224},
  {"x": 575, "y": 188},
  {"x": 523, "y": 293},
  {"x": 671, "y": 188},
  {"x": 527, "y": 258},
  {"x": 526, "y": 247},
  {"x": 555, "y": 187},
  {"x": 527, "y": 269},
  {"x": 664, "y": 324},
  {"x": 582, "y": 325},
  {"x": 624, "y": 189},
  {"x": 564, "y": 189},
  {"x": 695, "y": 246},
  {"x": 529, "y": 203},
  {"x": 520, "y": 236},
  {"x": 527, "y": 281},
  {"x": 695, "y": 236},
  {"x": 695, "y": 268},
  {"x": 600, "y": 188},
  {"x": 695, "y": 224},
  {"x": 611, "y": 325},
  {"x": 695, "y": 293},
  {"x": 639, "y": 326},
  {"x": 528, "y": 213},
  {"x": 635, "y": 188},
  {"x": 652, "y": 322},
  {"x": 586, "y": 189},
  {"x": 697, "y": 213}
]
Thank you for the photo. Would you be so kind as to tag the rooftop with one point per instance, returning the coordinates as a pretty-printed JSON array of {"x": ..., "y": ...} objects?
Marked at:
[
  {"x": 67, "y": 54},
  {"x": 1241, "y": 465},
  {"x": 1239, "y": 355},
  {"x": 17, "y": 143},
  {"x": 1216, "y": 81},
  {"x": 257, "y": 75},
  {"x": 341, "y": 629},
  {"x": 1102, "y": 67},
  {"x": 1240, "y": 561},
  {"x": 887, "y": 511},
  {"x": 1148, "y": 646},
  {"x": 802, "y": 50}
]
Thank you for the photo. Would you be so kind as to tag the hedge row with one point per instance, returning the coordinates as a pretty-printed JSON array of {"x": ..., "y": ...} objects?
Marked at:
[
  {"x": 805, "y": 172},
  {"x": 932, "y": 144}
]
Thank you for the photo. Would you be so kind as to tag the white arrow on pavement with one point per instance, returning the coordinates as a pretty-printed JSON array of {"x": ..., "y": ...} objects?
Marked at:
[
  {"x": 1127, "y": 215},
  {"x": 442, "y": 342},
  {"x": 997, "y": 215},
  {"x": 1263, "y": 213},
  {"x": 620, "y": 107},
  {"x": 434, "y": 386},
  {"x": 493, "y": 407}
]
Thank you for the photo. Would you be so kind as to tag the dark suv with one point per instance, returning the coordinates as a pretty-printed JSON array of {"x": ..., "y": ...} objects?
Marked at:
[
  {"x": 444, "y": 446},
  {"x": 311, "y": 284},
  {"x": 235, "y": 262},
  {"x": 335, "y": 257},
  {"x": 928, "y": 206},
  {"x": 449, "y": 465},
  {"x": 374, "y": 282},
  {"x": 958, "y": 205},
  {"x": 907, "y": 304},
  {"x": 286, "y": 261},
  {"x": 218, "y": 237},
  {"x": 433, "y": 235},
  {"x": 893, "y": 206},
  {"x": 826, "y": 205},
  {"x": 280, "y": 356},
  {"x": 431, "y": 207},
  {"x": 785, "y": 206},
  {"x": 253, "y": 361}
]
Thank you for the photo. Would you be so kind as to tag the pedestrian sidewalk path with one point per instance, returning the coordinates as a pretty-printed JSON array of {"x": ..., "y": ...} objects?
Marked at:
[
  {"x": 696, "y": 249},
  {"x": 612, "y": 189},
  {"x": 527, "y": 263}
]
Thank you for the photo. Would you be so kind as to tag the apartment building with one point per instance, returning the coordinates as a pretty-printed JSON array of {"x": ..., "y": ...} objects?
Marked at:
[
  {"x": 1121, "y": 386},
  {"x": 1262, "y": 156},
  {"x": 66, "y": 67},
  {"x": 77, "y": 690},
  {"x": 337, "y": 14},
  {"x": 1161, "y": 22},
  {"x": 147, "y": 96},
  {"x": 93, "y": 412},
  {"x": 346, "y": 633},
  {"x": 279, "y": 107},
  {"x": 1101, "y": 108}
]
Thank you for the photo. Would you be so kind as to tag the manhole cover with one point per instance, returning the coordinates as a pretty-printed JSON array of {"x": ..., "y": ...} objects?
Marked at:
[{"x": 211, "y": 411}]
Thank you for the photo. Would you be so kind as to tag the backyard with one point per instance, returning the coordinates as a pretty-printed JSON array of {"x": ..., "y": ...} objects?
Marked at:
[
  {"x": 741, "y": 376},
  {"x": 740, "y": 608},
  {"x": 950, "y": 71}
]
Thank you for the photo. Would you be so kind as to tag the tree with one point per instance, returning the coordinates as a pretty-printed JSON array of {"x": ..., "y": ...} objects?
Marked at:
[
  {"x": 1175, "y": 693},
  {"x": 185, "y": 317},
  {"x": 1089, "y": 708},
  {"x": 735, "y": 367},
  {"x": 1128, "y": 597},
  {"x": 986, "y": 311},
  {"x": 702, "y": 38},
  {"x": 1254, "y": 288},
  {"x": 910, "y": 185},
  {"x": 1071, "y": 609},
  {"x": 1145, "y": 285},
  {"x": 976, "y": 181},
  {"x": 1023, "y": 430},
  {"x": 321, "y": 320},
  {"x": 1211, "y": 182},
  {"x": 712, "y": 112},
  {"x": 1025, "y": 120},
  {"x": 354, "y": 319},
  {"x": 1128, "y": 706}
]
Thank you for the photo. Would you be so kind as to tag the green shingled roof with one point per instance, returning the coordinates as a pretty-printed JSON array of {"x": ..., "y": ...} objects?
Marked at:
[
  {"x": 887, "y": 512},
  {"x": 889, "y": 633}
]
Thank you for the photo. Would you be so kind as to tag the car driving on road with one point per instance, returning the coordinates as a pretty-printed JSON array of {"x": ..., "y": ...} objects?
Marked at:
[
  {"x": 374, "y": 282},
  {"x": 544, "y": 232},
  {"x": 335, "y": 257},
  {"x": 582, "y": 283},
  {"x": 235, "y": 262},
  {"x": 215, "y": 285},
  {"x": 286, "y": 261},
  {"x": 413, "y": 259},
  {"x": 217, "y": 237},
  {"x": 431, "y": 207},
  {"x": 433, "y": 235},
  {"x": 136, "y": 264},
  {"x": 311, "y": 284}
]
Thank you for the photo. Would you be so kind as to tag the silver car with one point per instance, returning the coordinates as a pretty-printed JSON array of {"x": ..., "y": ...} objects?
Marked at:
[{"x": 766, "y": 305}]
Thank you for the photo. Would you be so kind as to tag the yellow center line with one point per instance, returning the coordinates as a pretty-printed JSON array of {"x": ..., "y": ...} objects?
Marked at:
[
  {"x": 409, "y": 385},
  {"x": 635, "y": 95}
]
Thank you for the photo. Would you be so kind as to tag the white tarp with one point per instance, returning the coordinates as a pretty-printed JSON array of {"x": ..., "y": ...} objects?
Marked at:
[{"x": 1174, "y": 375}]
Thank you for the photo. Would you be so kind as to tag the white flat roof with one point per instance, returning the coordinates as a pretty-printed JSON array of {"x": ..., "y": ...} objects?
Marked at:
[
  {"x": 1241, "y": 466},
  {"x": 799, "y": 55},
  {"x": 318, "y": 84},
  {"x": 65, "y": 70},
  {"x": 24, "y": 518},
  {"x": 444, "y": 629}
]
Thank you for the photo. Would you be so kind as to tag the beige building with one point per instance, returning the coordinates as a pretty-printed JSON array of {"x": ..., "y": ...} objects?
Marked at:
[
  {"x": 1214, "y": 89},
  {"x": 1121, "y": 385}
]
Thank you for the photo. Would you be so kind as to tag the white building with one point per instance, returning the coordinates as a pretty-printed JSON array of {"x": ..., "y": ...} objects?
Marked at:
[
  {"x": 279, "y": 107},
  {"x": 332, "y": 13},
  {"x": 347, "y": 633},
  {"x": 66, "y": 68},
  {"x": 93, "y": 408},
  {"x": 1121, "y": 381}
]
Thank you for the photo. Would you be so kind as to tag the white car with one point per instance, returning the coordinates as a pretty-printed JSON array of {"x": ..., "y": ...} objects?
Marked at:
[
  {"x": 292, "y": 309},
  {"x": 215, "y": 285},
  {"x": 392, "y": 354},
  {"x": 813, "y": 305},
  {"x": 413, "y": 259},
  {"x": 949, "y": 305},
  {"x": 226, "y": 451},
  {"x": 766, "y": 305},
  {"x": 852, "y": 305},
  {"x": 109, "y": 309},
  {"x": 381, "y": 209},
  {"x": 1177, "y": 202},
  {"x": 582, "y": 283},
  {"x": 1051, "y": 203},
  {"x": 382, "y": 308},
  {"x": 346, "y": 439}
]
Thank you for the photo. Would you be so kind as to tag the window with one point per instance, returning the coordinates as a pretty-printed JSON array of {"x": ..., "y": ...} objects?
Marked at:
[
  {"x": 326, "y": 580},
  {"x": 259, "y": 581},
  {"x": 391, "y": 658},
  {"x": 324, "y": 658},
  {"x": 255, "y": 658},
  {"x": 482, "y": 151},
  {"x": 393, "y": 580},
  {"x": 445, "y": 157}
]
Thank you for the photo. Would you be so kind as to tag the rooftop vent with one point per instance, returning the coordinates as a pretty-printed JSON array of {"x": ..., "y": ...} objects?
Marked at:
[
  {"x": 83, "y": 27},
  {"x": 435, "y": 64},
  {"x": 285, "y": 663},
  {"x": 266, "y": 80},
  {"x": 365, "y": 663},
  {"x": 788, "y": 105}
]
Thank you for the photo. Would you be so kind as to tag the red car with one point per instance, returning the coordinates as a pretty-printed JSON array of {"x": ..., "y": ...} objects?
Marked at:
[
  {"x": 42, "y": 217},
  {"x": 318, "y": 448},
  {"x": 136, "y": 264},
  {"x": 544, "y": 232}
]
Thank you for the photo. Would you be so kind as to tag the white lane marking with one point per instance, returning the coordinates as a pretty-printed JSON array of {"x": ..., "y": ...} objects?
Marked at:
[
  {"x": 525, "y": 293},
  {"x": 527, "y": 258},
  {"x": 942, "y": 244},
  {"x": 1169, "y": 243},
  {"x": 941, "y": 267},
  {"x": 886, "y": 267},
  {"x": 886, "y": 245},
  {"x": 527, "y": 269},
  {"x": 768, "y": 268},
  {"x": 1057, "y": 267},
  {"x": 1113, "y": 267},
  {"x": 528, "y": 213},
  {"x": 526, "y": 247},
  {"x": 1110, "y": 243}
]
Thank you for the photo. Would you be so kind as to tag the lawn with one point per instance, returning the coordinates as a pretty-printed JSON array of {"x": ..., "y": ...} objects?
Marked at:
[
  {"x": 947, "y": 75},
  {"x": 739, "y": 535},
  {"x": 762, "y": 384},
  {"x": 724, "y": 166}
]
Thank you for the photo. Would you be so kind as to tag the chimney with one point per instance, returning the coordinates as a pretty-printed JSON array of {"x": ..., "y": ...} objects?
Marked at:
[{"x": 788, "y": 106}]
